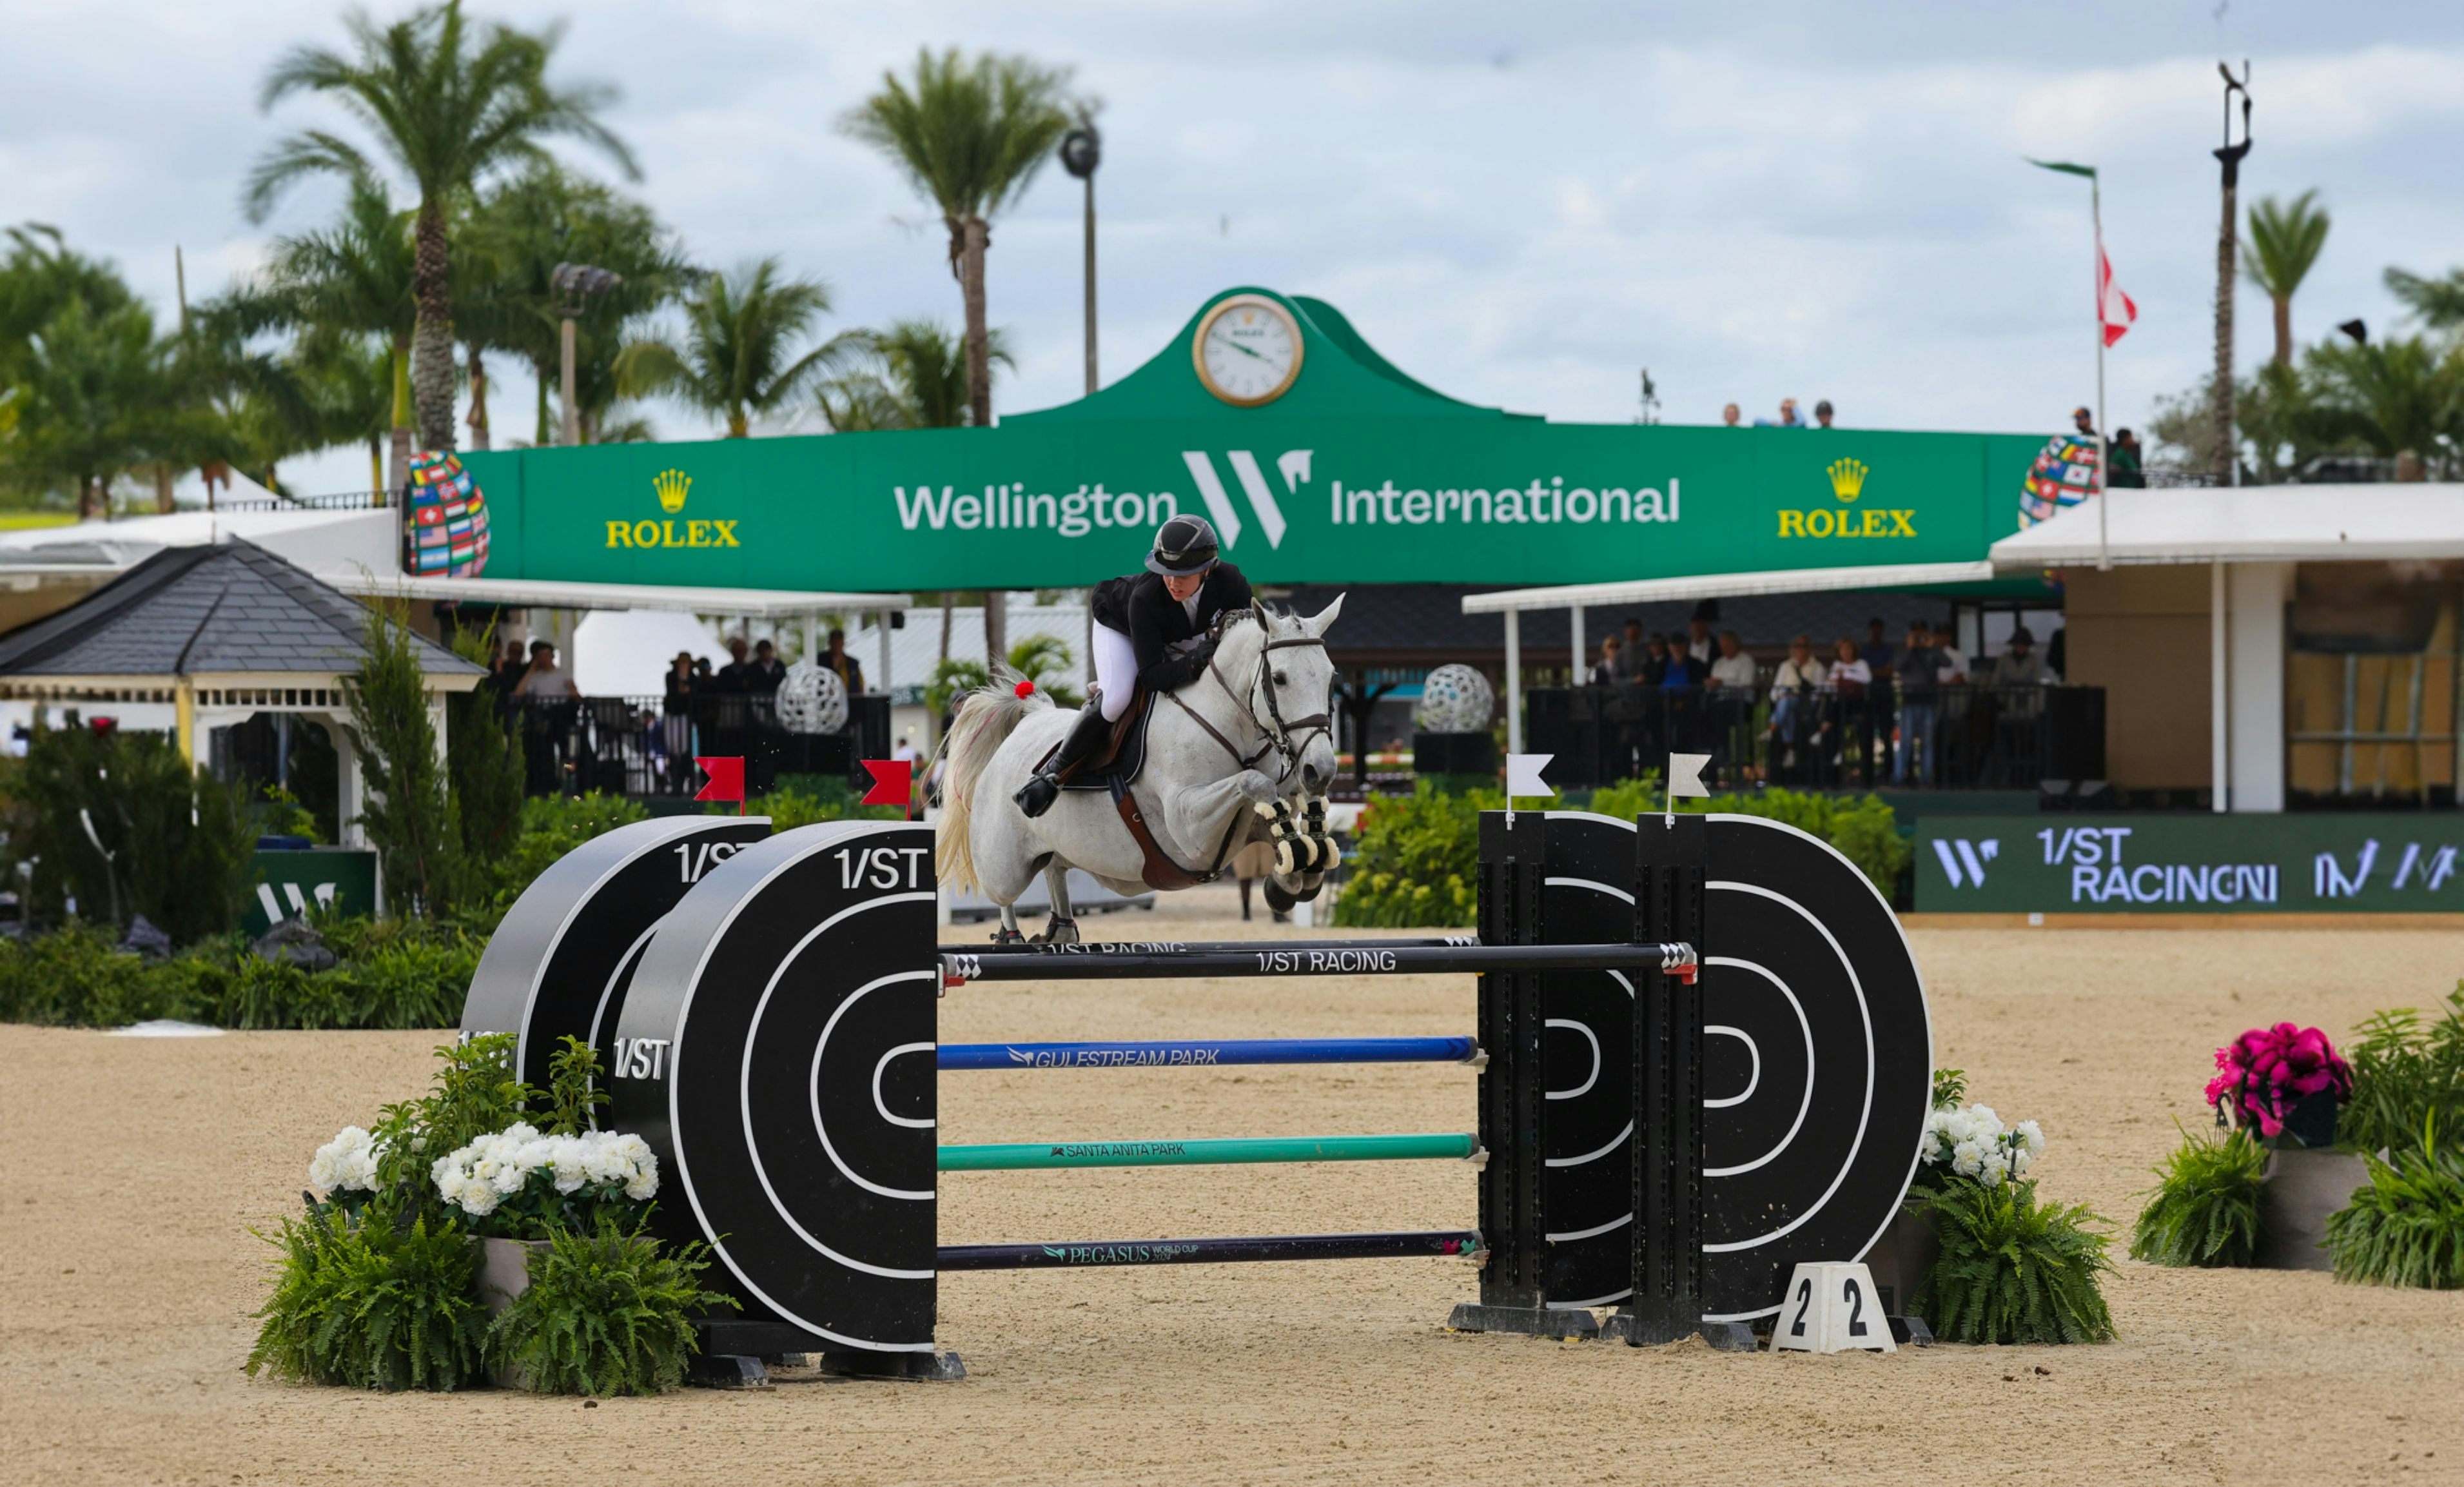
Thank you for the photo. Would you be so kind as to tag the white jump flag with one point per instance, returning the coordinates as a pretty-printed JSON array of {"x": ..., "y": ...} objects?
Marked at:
[
  {"x": 1523, "y": 778},
  {"x": 1684, "y": 778}
]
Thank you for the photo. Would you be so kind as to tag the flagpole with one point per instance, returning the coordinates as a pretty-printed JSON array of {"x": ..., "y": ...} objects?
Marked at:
[{"x": 2104, "y": 477}]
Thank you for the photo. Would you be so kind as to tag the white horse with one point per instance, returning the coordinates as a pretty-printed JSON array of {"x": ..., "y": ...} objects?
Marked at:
[{"x": 1232, "y": 757}]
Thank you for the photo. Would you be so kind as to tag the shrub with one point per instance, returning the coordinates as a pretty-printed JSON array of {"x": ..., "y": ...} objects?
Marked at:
[
  {"x": 1418, "y": 860},
  {"x": 393, "y": 974},
  {"x": 2204, "y": 1208},
  {"x": 484, "y": 760},
  {"x": 551, "y": 826},
  {"x": 405, "y": 814},
  {"x": 118, "y": 824},
  {"x": 606, "y": 1313},
  {"x": 2407, "y": 1226},
  {"x": 373, "y": 1306},
  {"x": 2012, "y": 1270},
  {"x": 2404, "y": 1074},
  {"x": 814, "y": 798}
]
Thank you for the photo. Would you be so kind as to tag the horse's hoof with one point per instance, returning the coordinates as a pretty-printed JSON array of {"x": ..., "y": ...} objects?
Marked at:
[
  {"x": 1008, "y": 936},
  {"x": 1059, "y": 931}
]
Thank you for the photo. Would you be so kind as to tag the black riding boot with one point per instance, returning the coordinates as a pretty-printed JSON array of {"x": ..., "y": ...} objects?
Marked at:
[{"x": 1036, "y": 796}]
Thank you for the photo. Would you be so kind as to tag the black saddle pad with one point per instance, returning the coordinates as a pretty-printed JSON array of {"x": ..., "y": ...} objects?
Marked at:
[{"x": 1128, "y": 761}]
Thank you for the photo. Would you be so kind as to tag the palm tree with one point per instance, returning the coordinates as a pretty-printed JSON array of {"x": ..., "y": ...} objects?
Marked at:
[
  {"x": 912, "y": 375},
  {"x": 448, "y": 109},
  {"x": 357, "y": 277},
  {"x": 525, "y": 227},
  {"x": 2398, "y": 397},
  {"x": 738, "y": 357},
  {"x": 2439, "y": 302},
  {"x": 970, "y": 136},
  {"x": 98, "y": 398},
  {"x": 2283, "y": 245}
]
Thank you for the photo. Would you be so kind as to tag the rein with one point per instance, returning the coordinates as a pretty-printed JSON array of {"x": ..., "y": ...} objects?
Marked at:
[{"x": 1277, "y": 735}]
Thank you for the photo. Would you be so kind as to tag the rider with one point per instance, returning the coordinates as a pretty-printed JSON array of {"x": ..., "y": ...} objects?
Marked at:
[{"x": 1150, "y": 630}]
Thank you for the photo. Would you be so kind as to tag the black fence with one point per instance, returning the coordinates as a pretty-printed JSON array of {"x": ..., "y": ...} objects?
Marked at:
[
  {"x": 1968, "y": 737},
  {"x": 634, "y": 745}
]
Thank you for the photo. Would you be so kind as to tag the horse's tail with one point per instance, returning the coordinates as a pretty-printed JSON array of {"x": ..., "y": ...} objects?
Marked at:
[{"x": 985, "y": 720}]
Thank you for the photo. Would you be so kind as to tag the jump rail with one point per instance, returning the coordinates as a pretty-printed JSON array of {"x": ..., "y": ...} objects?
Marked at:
[
  {"x": 1209, "y": 1053},
  {"x": 1340, "y": 958}
]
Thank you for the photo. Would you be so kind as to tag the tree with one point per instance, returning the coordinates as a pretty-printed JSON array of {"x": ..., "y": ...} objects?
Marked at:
[
  {"x": 100, "y": 398},
  {"x": 2284, "y": 246},
  {"x": 738, "y": 357},
  {"x": 2403, "y": 397},
  {"x": 448, "y": 109},
  {"x": 912, "y": 375},
  {"x": 2439, "y": 302},
  {"x": 523, "y": 228},
  {"x": 407, "y": 816},
  {"x": 970, "y": 136}
]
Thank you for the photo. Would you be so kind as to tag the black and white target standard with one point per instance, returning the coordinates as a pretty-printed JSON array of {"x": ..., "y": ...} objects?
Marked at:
[
  {"x": 1818, "y": 1054},
  {"x": 560, "y": 962},
  {"x": 782, "y": 1031}
]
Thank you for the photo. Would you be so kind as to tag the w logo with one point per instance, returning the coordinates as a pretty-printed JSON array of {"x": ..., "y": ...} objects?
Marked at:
[
  {"x": 1963, "y": 861},
  {"x": 1293, "y": 466}
]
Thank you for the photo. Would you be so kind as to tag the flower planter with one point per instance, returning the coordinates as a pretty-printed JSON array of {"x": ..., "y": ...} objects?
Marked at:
[
  {"x": 1900, "y": 1259},
  {"x": 2303, "y": 1187},
  {"x": 505, "y": 1273}
]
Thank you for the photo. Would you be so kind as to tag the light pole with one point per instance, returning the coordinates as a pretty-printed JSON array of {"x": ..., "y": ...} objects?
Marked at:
[
  {"x": 1081, "y": 150},
  {"x": 2221, "y": 410},
  {"x": 573, "y": 286}
]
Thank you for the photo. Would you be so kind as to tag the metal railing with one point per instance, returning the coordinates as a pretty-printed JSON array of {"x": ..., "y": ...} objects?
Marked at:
[
  {"x": 646, "y": 746},
  {"x": 1966, "y": 737}
]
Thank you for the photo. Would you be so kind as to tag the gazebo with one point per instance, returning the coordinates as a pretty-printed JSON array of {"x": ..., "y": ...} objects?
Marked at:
[{"x": 222, "y": 633}]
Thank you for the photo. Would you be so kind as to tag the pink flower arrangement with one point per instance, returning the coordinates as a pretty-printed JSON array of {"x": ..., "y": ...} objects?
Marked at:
[{"x": 2267, "y": 1071}]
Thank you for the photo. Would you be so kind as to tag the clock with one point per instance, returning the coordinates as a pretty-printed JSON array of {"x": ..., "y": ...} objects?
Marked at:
[{"x": 1247, "y": 350}]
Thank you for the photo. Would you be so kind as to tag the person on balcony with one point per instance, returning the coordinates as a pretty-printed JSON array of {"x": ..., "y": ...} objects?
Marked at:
[
  {"x": 850, "y": 671},
  {"x": 1793, "y": 695},
  {"x": 1921, "y": 669}
]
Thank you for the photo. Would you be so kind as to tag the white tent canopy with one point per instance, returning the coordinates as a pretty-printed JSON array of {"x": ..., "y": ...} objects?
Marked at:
[
  {"x": 1726, "y": 585},
  {"x": 2269, "y": 523}
]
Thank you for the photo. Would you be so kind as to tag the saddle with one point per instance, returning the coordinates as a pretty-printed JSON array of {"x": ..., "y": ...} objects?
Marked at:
[{"x": 1122, "y": 757}]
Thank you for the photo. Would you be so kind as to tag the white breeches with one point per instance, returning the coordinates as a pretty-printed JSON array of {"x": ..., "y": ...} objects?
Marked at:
[{"x": 1116, "y": 670}]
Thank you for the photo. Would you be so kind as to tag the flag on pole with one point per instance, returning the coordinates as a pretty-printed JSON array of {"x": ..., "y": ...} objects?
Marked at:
[
  {"x": 1686, "y": 775},
  {"x": 893, "y": 782},
  {"x": 726, "y": 779},
  {"x": 2115, "y": 310},
  {"x": 1523, "y": 774}
]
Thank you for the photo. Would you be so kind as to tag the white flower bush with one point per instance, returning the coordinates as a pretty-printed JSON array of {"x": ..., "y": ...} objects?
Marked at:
[
  {"x": 534, "y": 1176},
  {"x": 345, "y": 1164},
  {"x": 1973, "y": 1142}
]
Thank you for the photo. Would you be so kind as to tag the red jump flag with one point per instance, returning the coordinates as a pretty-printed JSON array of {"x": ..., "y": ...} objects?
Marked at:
[
  {"x": 726, "y": 780},
  {"x": 893, "y": 782}
]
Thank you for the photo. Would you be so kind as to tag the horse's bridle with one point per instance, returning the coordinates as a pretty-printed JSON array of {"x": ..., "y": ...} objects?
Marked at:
[{"x": 1280, "y": 737}]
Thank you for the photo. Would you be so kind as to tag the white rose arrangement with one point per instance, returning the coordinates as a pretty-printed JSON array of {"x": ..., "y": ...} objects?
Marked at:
[
  {"x": 1971, "y": 1142},
  {"x": 345, "y": 1169},
  {"x": 517, "y": 1181}
]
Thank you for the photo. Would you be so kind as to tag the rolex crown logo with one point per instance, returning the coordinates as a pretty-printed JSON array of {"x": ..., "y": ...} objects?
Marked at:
[
  {"x": 1847, "y": 478},
  {"x": 671, "y": 486}
]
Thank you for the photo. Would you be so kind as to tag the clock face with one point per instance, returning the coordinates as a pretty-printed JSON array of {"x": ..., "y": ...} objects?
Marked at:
[{"x": 1248, "y": 350}]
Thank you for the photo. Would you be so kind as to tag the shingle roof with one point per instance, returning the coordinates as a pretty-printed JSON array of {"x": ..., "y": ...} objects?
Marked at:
[{"x": 231, "y": 607}]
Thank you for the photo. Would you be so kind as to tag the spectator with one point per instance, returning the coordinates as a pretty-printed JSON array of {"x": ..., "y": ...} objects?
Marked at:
[
  {"x": 508, "y": 669},
  {"x": 1631, "y": 656},
  {"x": 1850, "y": 673},
  {"x": 1792, "y": 689},
  {"x": 2122, "y": 457},
  {"x": 1728, "y": 416},
  {"x": 850, "y": 671},
  {"x": 2084, "y": 422},
  {"x": 1822, "y": 412},
  {"x": 678, "y": 719},
  {"x": 2019, "y": 666},
  {"x": 1604, "y": 671},
  {"x": 732, "y": 675},
  {"x": 1654, "y": 670},
  {"x": 1954, "y": 661},
  {"x": 2056, "y": 657},
  {"x": 765, "y": 671},
  {"x": 1876, "y": 652},
  {"x": 1920, "y": 668},
  {"x": 1734, "y": 668},
  {"x": 702, "y": 673},
  {"x": 1698, "y": 629},
  {"x": 544, "y": 679},
  {"x": 1787, "y": 419}
]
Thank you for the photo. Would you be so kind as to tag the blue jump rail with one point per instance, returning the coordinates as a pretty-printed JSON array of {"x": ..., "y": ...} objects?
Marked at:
[{"x": 1208, "y": 1053}]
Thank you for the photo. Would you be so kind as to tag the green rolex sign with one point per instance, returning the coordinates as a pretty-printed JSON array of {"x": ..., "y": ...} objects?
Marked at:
[
  {"x": 1315, "y": 458},
  {"x": 2191, "y": 864}
]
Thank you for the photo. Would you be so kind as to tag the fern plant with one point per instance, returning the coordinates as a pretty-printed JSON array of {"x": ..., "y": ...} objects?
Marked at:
[
  {"x": 2204, "y": 1208},
  {"x": 2403, "y": 1074},
  {"x": 606, "y": 1313},
  {"x": 2406, "y": 1227},
  {"x": 2012, "y": 1270},
  {"x": 372, "y": 1306}
]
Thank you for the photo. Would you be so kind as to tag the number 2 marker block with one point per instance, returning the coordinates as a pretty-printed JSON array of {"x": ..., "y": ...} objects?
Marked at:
[{"x": 1832, "y": 1309}]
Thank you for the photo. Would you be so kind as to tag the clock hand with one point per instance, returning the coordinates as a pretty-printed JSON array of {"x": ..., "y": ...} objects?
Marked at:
[{"x": 1235, "y": 345}]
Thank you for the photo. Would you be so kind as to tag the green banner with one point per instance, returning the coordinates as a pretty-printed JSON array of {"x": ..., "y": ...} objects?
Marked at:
[
  {"x": 2191, "y": 864},
  {"x": 314, "y": 880},
  {"x": 1315, "y": 458}
]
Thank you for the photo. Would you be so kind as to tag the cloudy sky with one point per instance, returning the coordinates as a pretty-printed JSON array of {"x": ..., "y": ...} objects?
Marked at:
[{"x": 1522, "y": 205}]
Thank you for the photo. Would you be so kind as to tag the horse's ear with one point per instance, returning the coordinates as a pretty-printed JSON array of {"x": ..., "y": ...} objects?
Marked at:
[{"x": 1323, "y": 620}]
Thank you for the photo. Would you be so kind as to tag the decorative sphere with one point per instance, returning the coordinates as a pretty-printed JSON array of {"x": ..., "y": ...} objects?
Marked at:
[
  {"x": 812, "y": 700},
  {"x": 1455, "y": 698}
]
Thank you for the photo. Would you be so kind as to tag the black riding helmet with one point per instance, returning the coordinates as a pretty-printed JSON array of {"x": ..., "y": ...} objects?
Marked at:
[{"x": 1183, "y": 546}]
